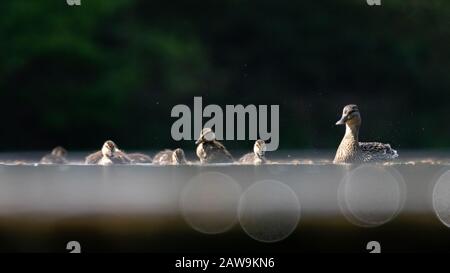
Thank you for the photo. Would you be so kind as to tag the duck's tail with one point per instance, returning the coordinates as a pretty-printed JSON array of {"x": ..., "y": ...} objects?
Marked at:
[
  {"x": 393, "y": 152},
  {"x": 378, "y": 151}
]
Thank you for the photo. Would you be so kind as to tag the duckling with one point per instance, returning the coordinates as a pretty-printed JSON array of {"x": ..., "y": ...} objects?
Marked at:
[
  {"x": 139, "y": 158},
  {"x": 257, "y": 157},
  {"x": 209, "y": 150},
  {"x": 169, "y": 157},
  {"x": 108, "y": 155},
  {"x": 57, "y": 156},
  {"x": 351, "y": 150}
]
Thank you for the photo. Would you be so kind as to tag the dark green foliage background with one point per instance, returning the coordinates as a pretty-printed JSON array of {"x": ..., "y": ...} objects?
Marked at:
[{"x": 75, "y": 76}]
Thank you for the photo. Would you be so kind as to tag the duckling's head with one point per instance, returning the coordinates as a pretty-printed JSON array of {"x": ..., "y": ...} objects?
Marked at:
[
  {"x": 59, "y": 151},
  {"x": 178, "y": 156},
  {"x": 259, "y": 148},
  {"x": 109, "y": 148},
  {"x": 207, "y": 134},
  {"x": 350, "y": 116}
]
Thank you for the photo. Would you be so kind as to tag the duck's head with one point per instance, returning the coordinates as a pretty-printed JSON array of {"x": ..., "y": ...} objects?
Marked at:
[
  {"x": 259, "y": 148},
  {"x": 59, "y": 151},
  {"x": 207, "y": 134},
  {"x": 178, "y": 156},
  {"x": 109, "y": 148},
  {"x": 350, "y": 116}
]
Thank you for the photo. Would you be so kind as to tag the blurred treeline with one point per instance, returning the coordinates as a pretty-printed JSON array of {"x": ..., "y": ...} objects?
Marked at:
[{"x": 76, "y": 76}]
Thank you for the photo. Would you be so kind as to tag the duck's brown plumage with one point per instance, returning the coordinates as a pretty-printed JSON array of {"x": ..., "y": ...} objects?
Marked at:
[
  {"x": 119, "y": 157},
  {"x": 257, "y": 157},
  {"x": 252, "y": 158},
  {"x": 169, "y": 157},
  {"x": 209, "y": 150},
  {"x": 93, "y": 158},
  {"x": 213, "y": 152},
  {"x": 115, "y": 155},
  {"x": 351, "y": 150},
  {"x": 57, "y": 156},
  {"x": 139, "y": 158}
]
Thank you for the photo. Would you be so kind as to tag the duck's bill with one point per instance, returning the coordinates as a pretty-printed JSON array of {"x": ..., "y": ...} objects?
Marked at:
[
  {"x": 200, "y": 138},
  {"x": 341, "y": 121}
]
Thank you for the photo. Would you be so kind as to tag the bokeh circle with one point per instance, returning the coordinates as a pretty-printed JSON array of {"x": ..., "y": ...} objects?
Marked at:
[
  {"x": 441, "y": 198},
  {"x": 209, "y": 202},
  {"x": 269, "y": 211},
  {"x": 371, "y": 195}
]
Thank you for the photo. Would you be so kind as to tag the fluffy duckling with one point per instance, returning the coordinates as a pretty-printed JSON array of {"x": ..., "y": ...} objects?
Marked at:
[
  {"x": 108, "y": 155},
  {"x": 351, "y": 150},
  {"x": 257, "y": 157},
  {"x": 209, "y": 150},
  {"x": 169, "y": 157},
  {"x": 57, "y": 156},
  {"x": 139, "y": 158}
]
